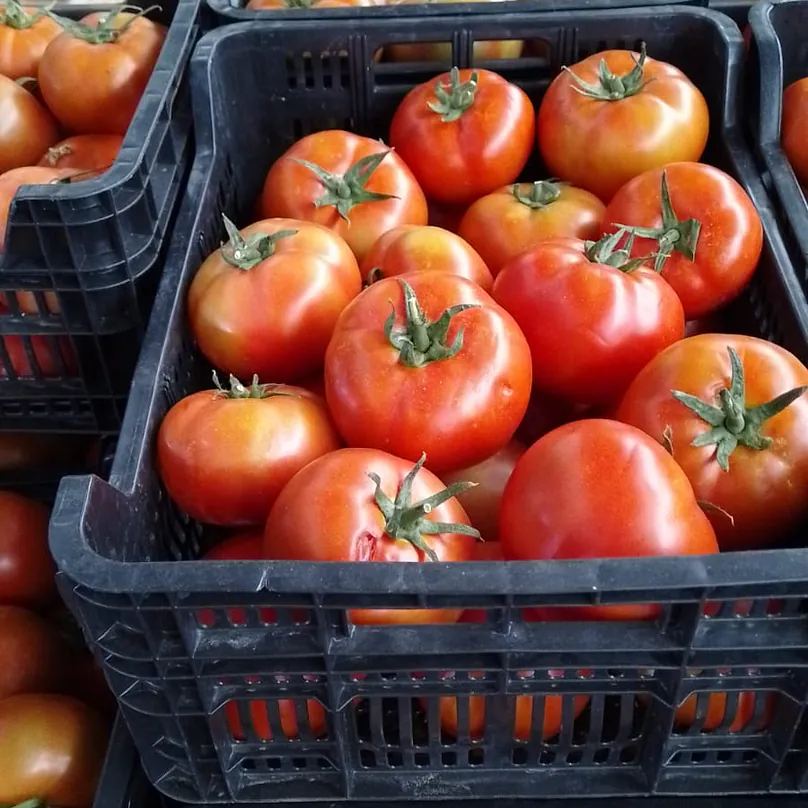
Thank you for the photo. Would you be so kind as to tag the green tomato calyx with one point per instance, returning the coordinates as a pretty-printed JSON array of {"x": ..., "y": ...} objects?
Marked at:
[
  {"x": 607, "y": 250},
  {"x": 454, "y": 100},
  {"x": 15, "y": 16},
  {"x": 407, "y": 521},
  {"x": 247, "y": 253},
  {"x": 611, "y": 87},
  {"x": 542, "y": 193},
  {"x": 732, "y": 422},
  {"x": 255, "y": 390},
  {"x": 105, "y": 31}
]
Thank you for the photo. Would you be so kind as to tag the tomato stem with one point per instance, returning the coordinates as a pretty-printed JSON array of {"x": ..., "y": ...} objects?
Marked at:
[
  {"x": 248, "y": 253},
  {"x": 453, "y": 101},
  {"x": 608, "y": 251},
  {"x": 374, "y": 275},
  {"x": 542, "y": 193},
  {"x": 420, "y": 341},
  {"x": 346, "y": 191},
  {"x": 611, "y": 87},
  {"x": 15, "y": 16},
  {"x": 105, "y": 31},
  {"x": 34, "y": 803},
  {"x": 255, "y": 390},
  {"x": 732, "y": 422},
  {"x": 407, "y": 521}
]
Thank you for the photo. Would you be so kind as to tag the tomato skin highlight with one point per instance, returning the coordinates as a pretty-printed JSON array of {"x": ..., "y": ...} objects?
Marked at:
[
  {"x": 591, "y": 327},
  {"x": 600, "y": 489},
  {"x": 600, "y": 145},
  {"x": 765, "y": 491},
  {"x": 411, "y": 248},
  {"x": 327, "y": 512},
  {"x": 225, "y": 460},
  {"x": 459, "y": 410},
  {"x": 793, "y": 126},
  {"x": 459, "y": 161},
  {"x": 500, "y": 227},
  {"x": 21, "y": 48}
]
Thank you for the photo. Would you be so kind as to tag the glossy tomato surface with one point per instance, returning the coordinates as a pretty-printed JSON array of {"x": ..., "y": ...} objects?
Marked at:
[
  {"x": 598, "y": 137},
  {"x": 24, "y": 35},
  {"x": 224, "y": 458},
  {"x": 600, "y": 489},
  {"x": 342, "y": 197},
  {"x": 764, "y": 491},
  {"x": 330, "y": 511},
  {"x": 459, "y": 396},
  {"x": 26, "y": 127},
  {"x": 793, "y": 126},
  {"x": 464, "y": 134}
]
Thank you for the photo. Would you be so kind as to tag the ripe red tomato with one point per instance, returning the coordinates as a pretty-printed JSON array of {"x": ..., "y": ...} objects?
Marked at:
[
  {"x": 52, "y": 357},
  {"x": 562, "y": 501},
  {"x": 600, "y": 129},
  {"x": 353, "y": 185},
  {"x": 27, "y": 570},
  {"x": 259, "y": 719},
  {"x": 702, "y": 226},
  {"x": 225, "y": 455},
  {"x": 592, "y": 320},
  {"x": 366, "y": 505},
  {"x": 91, "y": 154},
  {"x": 411, "y": 248},
  {"x": 464, "y": 134},
  {"x": 51, "y": 746},
  {"x": 93, "y": 75},
  {"x": 24, "y": 35},
  {"x": 446, "y": 372},
  {"x": 793, "y": 126},
  {"x": 507, "y": 222},
  {"x": 266, "y": 303},
  {"x": 741, "y": 453},
  {"x": 481, "y": 503},
  {"x": 26, "y": 127}
]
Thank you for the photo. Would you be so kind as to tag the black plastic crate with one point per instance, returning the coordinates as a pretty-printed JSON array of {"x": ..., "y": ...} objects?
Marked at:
[
  {"x": 91, "y": 253},
  {"x": 781, "y": 50},
  {"x": 256, "y": 88}
]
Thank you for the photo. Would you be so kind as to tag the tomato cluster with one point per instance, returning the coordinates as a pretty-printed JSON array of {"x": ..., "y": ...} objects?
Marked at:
[{"x": 576, "y": 315}]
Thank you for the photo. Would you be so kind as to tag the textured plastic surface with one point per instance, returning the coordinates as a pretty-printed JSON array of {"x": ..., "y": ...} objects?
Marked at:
[
  {"x": 91, "y": 253},
  {"x": 781, "y": 47},
  {"x": 203, "y": 697}
]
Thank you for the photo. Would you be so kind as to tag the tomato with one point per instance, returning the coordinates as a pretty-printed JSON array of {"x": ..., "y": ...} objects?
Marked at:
[
  {"x": 793, "y": 126},
  {"x": 712, "y": 716},
  {"x": 446, "y": 371},
  {"x": 368, "y": 506},
  {"x": 702, "y": 226},
  {"x": 354, "y": 185},
  {"x": 598, "y": 129},
  {"x": 12, "y": 181},
  {"x": 48, "y": 357},
  {"x": 225, "y": 455},
  {"x": 600, "y": 489},
  {"x": 26, "y": 127},
  {"x": 410, "y": 248},
  {"x": 743, "y": 439},
  {"x": 52, "y": 747},
  {"x": 92, "y": 154},
  {"x": 482, "y": 50},
  {"x": 266, "y": 303},
  {"x": 592, "y": 319},
  {"x": 507, "y": 222},
  {"x": 93, "y": 75},
  {"x": 33, "y": 652},
  {"x": 464, "y": 134},
  {"x": 24, "y": 35},
  {"x": 27, "y": 570},
  {"x": 481, "y": 503},
  {"x": 259, "y": 719}
]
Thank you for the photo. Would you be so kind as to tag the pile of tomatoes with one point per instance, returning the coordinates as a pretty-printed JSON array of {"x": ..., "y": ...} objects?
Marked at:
[
  {"x": 55, "y": 708},
  {"x": 553, "y": 377}
]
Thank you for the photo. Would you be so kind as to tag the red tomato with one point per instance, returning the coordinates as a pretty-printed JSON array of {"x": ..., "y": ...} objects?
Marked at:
[
  {"x": 446, "y": 372},
  {"x": 259, "y": 719},
  {"x": 600, "y": 129},
  {"x": 266, "y": 303},
  {"x": 27, "y": 570},
  {"x": 592, "y": 320},
  {"x": 52, "y": 357},
  {"x": 507, "y": 222},
  {"x": 794, "y": 125},
  {"x": 52, "y": 746},
  {"x": 481, "y": 503},
  {"x": 24, "y": 35},
  {"x": 583, "y": 491},
  {"x": 93, "y": 75},
  {"x": 224, "y": 456},
  {"x": 91, "y": 154},
  {"x": 411, "y": 248},
  {"x": 743, "y": 447},
  {"x": 354, "y": 185},
  {"x": 464, "y": 134},
  {"x": 701, "y": 225},
  {"x": 366, "y": 505},
  {"x": 26, "y": 127}
]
